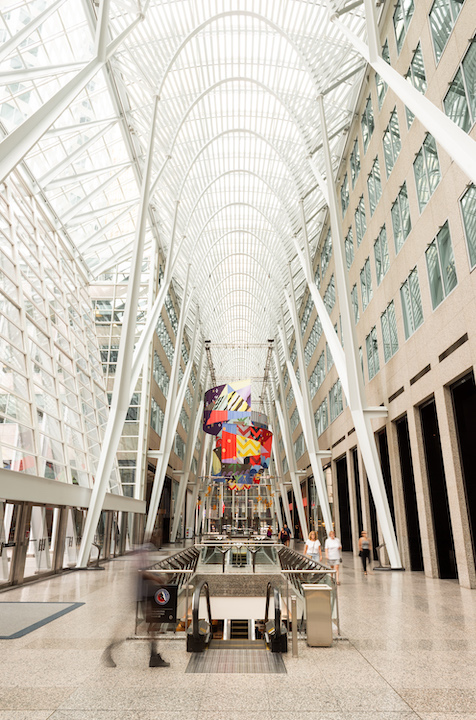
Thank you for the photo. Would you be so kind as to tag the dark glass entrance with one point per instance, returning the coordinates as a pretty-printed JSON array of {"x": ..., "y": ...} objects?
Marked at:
[
  {"x": 344, "y": 505},
  {"x": 409, "y": 495},
  {"x": 438, "y": 493},
  {"x": 464, "y": 404}
]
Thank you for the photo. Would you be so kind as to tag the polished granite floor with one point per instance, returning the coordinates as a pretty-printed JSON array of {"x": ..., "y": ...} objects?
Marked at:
[{"x": 410, "y": 653}]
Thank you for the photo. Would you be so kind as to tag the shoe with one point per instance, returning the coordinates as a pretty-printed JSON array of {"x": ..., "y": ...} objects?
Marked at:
[{"x": 158, "y": 661}]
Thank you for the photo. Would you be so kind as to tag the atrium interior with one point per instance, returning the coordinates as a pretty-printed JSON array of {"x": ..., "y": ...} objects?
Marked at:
[{"x": 237, "y": 240}]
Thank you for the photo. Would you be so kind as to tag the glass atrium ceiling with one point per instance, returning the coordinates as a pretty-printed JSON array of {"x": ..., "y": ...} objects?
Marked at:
[{"x": 237, "y": 142}]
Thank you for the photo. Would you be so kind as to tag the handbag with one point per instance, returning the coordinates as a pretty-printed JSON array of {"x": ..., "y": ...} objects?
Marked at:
[{"x": 360, "y": 553}]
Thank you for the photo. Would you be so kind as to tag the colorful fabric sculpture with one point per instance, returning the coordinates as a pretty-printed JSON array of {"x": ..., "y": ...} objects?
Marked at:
[{"x": 243, "y": 442}]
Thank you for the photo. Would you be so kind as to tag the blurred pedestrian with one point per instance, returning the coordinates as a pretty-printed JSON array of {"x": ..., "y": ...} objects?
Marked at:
[
  {"x": 333, "y": 548},
  {"x": 364, "y": 550},
  {"x": 313, "y": 547}
]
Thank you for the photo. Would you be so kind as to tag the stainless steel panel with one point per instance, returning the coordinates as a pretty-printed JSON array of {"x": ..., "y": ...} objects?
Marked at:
[{"x": 318, "y": 614}]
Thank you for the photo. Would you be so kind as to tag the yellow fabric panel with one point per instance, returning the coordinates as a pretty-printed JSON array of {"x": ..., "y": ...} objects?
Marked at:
[{"x": 246, "y": 447}]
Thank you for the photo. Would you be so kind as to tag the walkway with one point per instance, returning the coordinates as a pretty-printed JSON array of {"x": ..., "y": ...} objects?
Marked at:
[{"x": 410, "y": 653}]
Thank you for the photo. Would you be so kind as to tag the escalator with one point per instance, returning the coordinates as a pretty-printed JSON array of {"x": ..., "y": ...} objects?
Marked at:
[{"x": 236, "y": 645}]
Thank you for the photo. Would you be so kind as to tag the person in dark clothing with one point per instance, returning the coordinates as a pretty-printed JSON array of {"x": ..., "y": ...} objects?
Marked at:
[
  {"x": 285, "y": 535},
  {"x": 364, "y": 550}
]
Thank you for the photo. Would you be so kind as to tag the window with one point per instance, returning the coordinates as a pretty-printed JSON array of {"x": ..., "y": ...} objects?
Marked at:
[
  {"x": 392, "y": 143},
  {"x": 355, "y": 303},
  {"x": 374, "y": 186},
  {"x": 184, "y": 420},
  {"x": 330, "y": 359},
  {"x": 372, "y": 353},
  {"x": 330, "y": 295},
  {"x": 349, "y": 248},
  {"x": 294, "y": 421},
  {"x": 401, "y": 220},
  {"x": 460, "y": 100},
  {"x": 156, "y": 417},
  {"x": 416, "y": 75},
  {"x": 443, "y": 16},
  {"x": 314, "y": 338},
  {"x": 367, "y": 123},
  {"x": 366, "y": 284},
  {"x": 344, "y": 195},
  {"x": 317, "y": 375},
  {"x": 389, "y": 331},
  {"x": 160, "y": 375},
  {"x": 306, "y": 314},
  {"x": 321, "y": 417},
  {"x": 427, "y": 171},
  {"x": 317, "y": 276},
  {"x": 411, "y": 304},
  {"x": 401, "y": 20},
  {"x": 441, "y": 267},
  {"x": 290, "y": 398},
  {"x": 326, "y": 254},
  {"x": 335, "y": 400},
  {"x": 299, "y": 447},
  {"x": 468, "y": 208},
  {"x": 381, "y": 84},
  {"x": 382, "y": 262},
  {"x": 360, "y": 221},
  {"x": 355, "y": 163}
]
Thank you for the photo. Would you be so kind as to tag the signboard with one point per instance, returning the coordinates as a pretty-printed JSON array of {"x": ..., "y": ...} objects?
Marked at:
[{"x": 160, "y": 603}]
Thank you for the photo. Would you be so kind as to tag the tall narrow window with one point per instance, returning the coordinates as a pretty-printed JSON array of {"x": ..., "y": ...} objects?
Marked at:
[
  {"x": 349, "y": 248},
  {"x": 382, "y": 262},
  {"x": 392, "y": 143},
  {"x": 374, "y": 186},
  {"x": 371, "y": 346},
  {"x": 360, "y": 221},
  {"x": 441, "y": 267},
  {"x": 389, "y": 331},
  {"x": 326, "y": 254},
  {"x": 426, "y": 168},
  {"x": 317, "y": 276},
  {"x": 367, "y": 123},
  {"x": 355, "y": 303},
  {"x": 355, "y": 163},
  {"x": 416, "y": 75},
  {"x": 443, "y": 16},
  {"x": 460, "y": 100},
  {"x": 330, "y": 359},
  {"x": 335, "y": 400},
  {"x": 401, "y": 20},
  {"x": 366, "y": 284},
  {"x": 321, "y": 417},
  {"x": 411, "y": 304},
  {"x": 468, "y": 208},
  {"x": 344, "y": 195},
  {"x": 381, "y": 84},
  {"x": 401, "y": 220},
  {"x": 330, "y": 295}
]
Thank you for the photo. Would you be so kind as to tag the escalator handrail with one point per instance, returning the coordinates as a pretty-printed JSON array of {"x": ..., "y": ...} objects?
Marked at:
[
  {"x": 277, "y": 608},
  {"x": 196, "y": 606}
]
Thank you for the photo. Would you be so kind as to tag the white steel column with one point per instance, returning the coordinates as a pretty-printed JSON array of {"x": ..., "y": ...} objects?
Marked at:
[
  {"x": 196, "y": 412},
  {"x": 361, "y": 414},
  {"x": 166, "y": 441},
  {"x": 20, "y": 141},
  {"x": 121, "y": 395},
  {"x": 307, "y": 418},
  {"x": 459, "y": 146},
  {"x": 288, "y": 444},
  {"x": 277, "y": 461}
]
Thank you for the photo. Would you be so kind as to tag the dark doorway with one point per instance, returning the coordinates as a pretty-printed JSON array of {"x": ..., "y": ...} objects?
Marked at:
[
  {"x": 344, "y": 505},
  {"x": 358, "y": 499},
  {"x": 373, "y": 524},
  {"x": 464, "y": 404},
  {"x": 438, "y": 493},
  {"x": 409, "y": 494},
  {"x": 385, "y": 465}
]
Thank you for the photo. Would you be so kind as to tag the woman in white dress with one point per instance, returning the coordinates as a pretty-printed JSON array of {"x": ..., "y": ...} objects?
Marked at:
[
  {"x": 333, "y": 550},
  {"x": 313, "y": 547}
]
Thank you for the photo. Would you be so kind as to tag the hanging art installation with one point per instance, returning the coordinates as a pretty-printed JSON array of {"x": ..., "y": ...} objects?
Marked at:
[{"x": 243, "y": 441}]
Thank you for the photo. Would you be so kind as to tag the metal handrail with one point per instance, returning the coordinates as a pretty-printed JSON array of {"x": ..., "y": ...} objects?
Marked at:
[
  {"x": 196, "y": 608},
  {"x": 277, "y": 608}
]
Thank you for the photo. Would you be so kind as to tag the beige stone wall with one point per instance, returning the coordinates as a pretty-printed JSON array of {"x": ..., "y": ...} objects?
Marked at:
[{"x": 452, "y": 319}]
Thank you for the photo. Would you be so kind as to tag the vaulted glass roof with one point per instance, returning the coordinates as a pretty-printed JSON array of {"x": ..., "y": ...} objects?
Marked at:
[{"x": 238, "y": 142}]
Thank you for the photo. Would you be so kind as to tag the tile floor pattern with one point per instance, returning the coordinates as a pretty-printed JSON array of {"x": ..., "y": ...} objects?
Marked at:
[{"x": 410, "y": 654}]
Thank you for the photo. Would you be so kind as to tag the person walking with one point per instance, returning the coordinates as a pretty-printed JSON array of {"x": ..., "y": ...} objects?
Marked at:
[
  {"x": 313, "y": 547},
  {"x": 269, "y": 532},
  {"x": 333, "y": 548},
  {"x": 285, "y": 535},
  {"x": 364, "y": 550}
]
